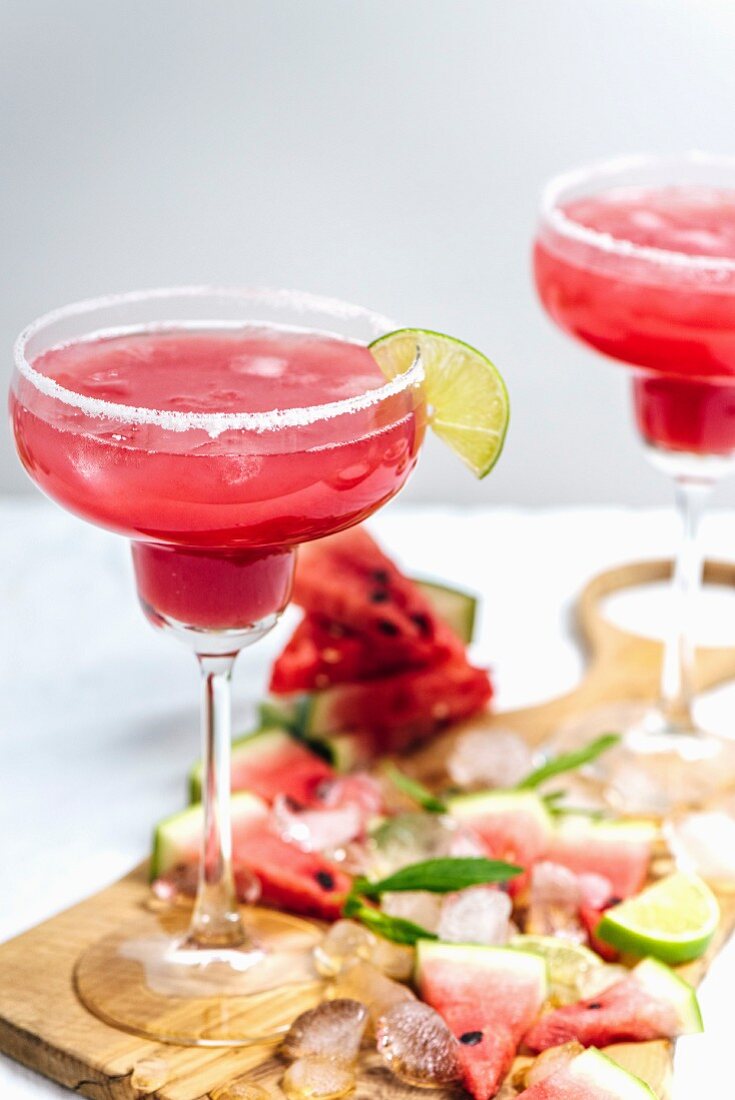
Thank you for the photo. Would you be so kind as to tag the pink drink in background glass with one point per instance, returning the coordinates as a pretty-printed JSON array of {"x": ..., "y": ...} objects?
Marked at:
[
  {"x": 214, "y": 516},
  {"x": 672, "y": 315}
]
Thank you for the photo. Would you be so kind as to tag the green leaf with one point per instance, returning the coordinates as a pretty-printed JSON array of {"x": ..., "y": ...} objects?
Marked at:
[
  {"x": 568, "y": 761},
  {"x": 396, "y": 929},
  {"x": 440, "y": 876},
  {"x": 415, "y": 790}
]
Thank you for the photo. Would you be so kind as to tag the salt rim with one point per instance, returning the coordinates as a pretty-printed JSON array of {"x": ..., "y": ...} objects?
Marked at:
[
  {"x": 212, "y": 423},
  {"x": 606, "y": 242}
]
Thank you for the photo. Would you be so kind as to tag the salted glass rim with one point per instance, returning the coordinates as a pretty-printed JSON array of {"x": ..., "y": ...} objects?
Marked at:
[
  {"x": 556, "y": 188},
  {"x": 213, "y": 422}
]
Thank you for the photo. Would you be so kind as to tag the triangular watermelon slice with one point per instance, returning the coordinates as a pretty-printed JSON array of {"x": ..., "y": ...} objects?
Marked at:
[
  {"x": 304, "y": 882},
  {"x": 589, "y": 1076},
  {"x": 620, "y": 851},
  {"x": 488, "y": 997},
  {"x": 512, "y": 825},
  {"x": 651, "y": 1002}
]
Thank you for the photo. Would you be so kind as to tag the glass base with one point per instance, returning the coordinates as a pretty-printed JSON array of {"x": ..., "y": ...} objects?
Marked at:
[
  {"x": 149, "y": 979},
  {"x": 657, "y": 768}
]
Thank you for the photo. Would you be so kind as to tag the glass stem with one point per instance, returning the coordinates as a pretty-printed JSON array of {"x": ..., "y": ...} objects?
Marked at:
[
  {"x": 678, "y": 673},
  {"x": 216, "y": 919}
]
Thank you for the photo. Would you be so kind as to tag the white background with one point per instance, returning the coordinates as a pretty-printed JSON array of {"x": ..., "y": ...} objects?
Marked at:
[{"x": 385, "y": 151}]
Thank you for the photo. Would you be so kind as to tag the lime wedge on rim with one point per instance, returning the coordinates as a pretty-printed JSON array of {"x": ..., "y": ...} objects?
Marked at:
[
  {"x": 568, "y": 963},
  {"x": 468, "y": 402},
  {"x": 673, "y": 920}
]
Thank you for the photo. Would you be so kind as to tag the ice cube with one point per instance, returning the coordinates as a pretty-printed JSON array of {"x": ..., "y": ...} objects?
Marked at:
[
  {"x": 316, "y": 830},
  {"x": 489, "y": 758},
  {"x": 394, "y": 959},
  {"x": 464, "y": 842},
  {"x": 479, "y": 914},
  {"x": 240, "y": 1090},
  {"x": 358, "y": 789},
  {"x": 344, "y": 943},
  {"x": 364, "y": 982},
  {"x": 410, "y": 838},
  {"x": 150, "y": 1074},
  {"x": 418, "y": 906},
  {"x": 332, "y": 1030},
  {"x": 554, "y": 903},
  {"x": 704, "y": 843},
  {"x": 594, "y": 890},
  {"x": 316, "y": 1078},
  {"x": 417, "y": 1045}
]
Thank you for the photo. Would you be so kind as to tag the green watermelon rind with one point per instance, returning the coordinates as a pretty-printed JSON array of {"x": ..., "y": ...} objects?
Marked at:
[
  {"x": 454, "y": 606},
  {"x": 595, "y": 1071},
  {"x": 477, "y": 958},
  {"x": 662, "y": 983},
  {"x": 479, "y": 803},
  {"x": 176, "y": 835}
]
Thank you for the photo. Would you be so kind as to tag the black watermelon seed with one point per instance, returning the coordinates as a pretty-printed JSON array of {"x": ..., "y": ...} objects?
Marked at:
[
  {"x": 471, "y": 1038},
  {"x": 379, "y": 595},
  {"x": 388, "y": 628},
  {"x": 614, "y": 900},
  {"x": 380, "y": 576},
  {"x": 595, "y": 1004},
  {"x": 422, "y": 622},
  {"x": 325, "y": 880}
]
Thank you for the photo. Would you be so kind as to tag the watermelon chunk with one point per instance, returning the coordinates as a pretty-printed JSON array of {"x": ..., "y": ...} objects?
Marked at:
[
  {"x": 589, "y": 1076},
  {"x": 304, "y": 882},
  {"x": 488, "y": 996},
  {"x": 652, "y": 1002},
  {"x": 619, "y": 850},
  {"x": 347, "y": 579},
  {"x": 402, "y": 709},
  {"x": 512, "y": 825},
  {"x": 269, "y": 762}
]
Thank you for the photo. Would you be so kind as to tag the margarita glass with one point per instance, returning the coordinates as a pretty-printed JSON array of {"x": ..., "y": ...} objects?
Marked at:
[
  {"x": 216, "y": 429},
  {"x": 636, "y": 258}
]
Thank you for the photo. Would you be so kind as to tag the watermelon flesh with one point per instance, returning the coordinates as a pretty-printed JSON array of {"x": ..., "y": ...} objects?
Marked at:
[
  {"x": 511, "y": 825},
  {"x": 270, "y": 762},
  {"x": 619, "y": 851},
  {"x": 487, "y": 996},
  {"x": 588, "y": 1076},
  {"x": 649, "y": 1003},
  {"x": 290, "y": 878}
]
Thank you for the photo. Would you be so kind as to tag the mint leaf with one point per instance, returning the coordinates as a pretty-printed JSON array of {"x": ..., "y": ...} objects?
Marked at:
[
  {"x": 416, "y": 791},
  {"x": 396, "y": 929},
  {"x": 568, "y": 761},
  {"x": 440, "y": 876}
]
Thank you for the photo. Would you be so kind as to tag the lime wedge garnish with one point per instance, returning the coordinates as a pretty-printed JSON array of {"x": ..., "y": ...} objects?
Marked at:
[
  {"x": 468, "y": 402},
  {"x": 673, "y": 920},
  {"x": 568, "y": 963}
]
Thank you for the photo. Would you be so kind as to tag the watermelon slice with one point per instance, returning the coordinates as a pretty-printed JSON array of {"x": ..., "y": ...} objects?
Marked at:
[
  {"x": 488, "y": 996},
  {"x": 303, "y": 882},
  {"x": 347, "y": 579},
  {"x": 269, "y": 762},
  {"x": 589, "y": 1076},
  {"x": 618, "y": 850},
  {"x": 651, "y": 1002},
  {"x": 402, "y": 709},
  {"x": 512, "y": 825}
]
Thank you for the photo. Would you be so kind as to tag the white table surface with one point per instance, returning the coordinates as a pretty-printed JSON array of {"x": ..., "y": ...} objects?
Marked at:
[{"x": 98, "y": 714}]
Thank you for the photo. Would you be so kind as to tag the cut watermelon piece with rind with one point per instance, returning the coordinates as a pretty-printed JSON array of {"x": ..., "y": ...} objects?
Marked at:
[
  {"x": 652, "y": 1002},
  {"x": 512, "y": 825},
  {"x": 405, "y": 708},
  {"x": 269, "y": 762},
  {"x": 487, "y": 996},
  {"x": 347, "y": 579},
  {"x": 290, "y": 878},
  {"x": 621, "y": 851},
  {"x": 589, "y": 1076}
]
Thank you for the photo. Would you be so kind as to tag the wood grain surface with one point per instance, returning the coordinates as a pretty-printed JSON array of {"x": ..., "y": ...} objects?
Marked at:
[{"x": 44, "y": 1026}]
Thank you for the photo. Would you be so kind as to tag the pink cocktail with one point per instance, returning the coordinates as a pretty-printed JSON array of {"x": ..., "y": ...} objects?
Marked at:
[
  {"x": 636, "y": 258},
  {"x": 217, "y": 430}
]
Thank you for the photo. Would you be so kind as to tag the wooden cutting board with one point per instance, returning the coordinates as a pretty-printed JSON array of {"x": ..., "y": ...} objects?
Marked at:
[{"x": 44, "y": 1026}]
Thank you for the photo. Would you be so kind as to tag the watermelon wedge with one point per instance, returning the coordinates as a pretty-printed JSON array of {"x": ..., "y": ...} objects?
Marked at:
[
  {"x": 402, "y": 709},
  {"x": 303, "y": 882},
  {"x": 269, "y": 762},
  {"x": 488, "y": 996},
  {"x": 620, "y": 851},
  {"x": 589, "y": 1076},
  {"x": 652, "y": 1002},
  {"x": 512, "y": 825}
]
